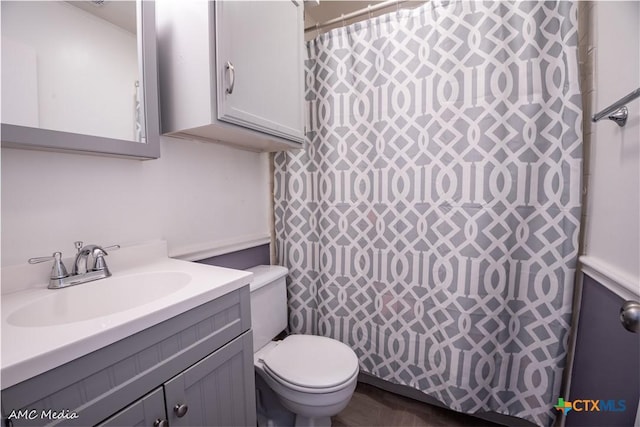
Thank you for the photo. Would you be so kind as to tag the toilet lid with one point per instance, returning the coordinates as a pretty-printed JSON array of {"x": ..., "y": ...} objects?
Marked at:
[{"x": 311, "y": 361}]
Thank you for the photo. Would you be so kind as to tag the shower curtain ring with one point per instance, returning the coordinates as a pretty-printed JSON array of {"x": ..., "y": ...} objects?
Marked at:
[
  {"x": 369, "y": 10},
  {"x": 342, "y": 17}
]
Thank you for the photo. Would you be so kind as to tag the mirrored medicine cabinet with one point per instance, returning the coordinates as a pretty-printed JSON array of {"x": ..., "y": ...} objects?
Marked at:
[{"x": 80, "y": 76}]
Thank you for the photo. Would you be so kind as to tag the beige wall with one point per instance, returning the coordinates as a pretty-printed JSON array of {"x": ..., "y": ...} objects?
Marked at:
[
  {"x": 197, "y": 196},
  {"x": 611, "y": 221}
]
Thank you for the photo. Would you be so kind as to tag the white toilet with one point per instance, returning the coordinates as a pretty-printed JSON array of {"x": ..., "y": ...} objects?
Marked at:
[{"x": 313, "y": 377}]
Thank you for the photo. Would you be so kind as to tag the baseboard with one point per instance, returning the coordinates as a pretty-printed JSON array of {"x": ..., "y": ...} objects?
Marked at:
[{"x": 415, "y": 394}]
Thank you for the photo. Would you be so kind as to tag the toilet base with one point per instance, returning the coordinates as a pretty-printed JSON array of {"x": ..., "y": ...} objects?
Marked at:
[
  {"x": 269, "y": 410},
  {"x": 272, "y": 413},
  {"x": 302, "y": 421}
]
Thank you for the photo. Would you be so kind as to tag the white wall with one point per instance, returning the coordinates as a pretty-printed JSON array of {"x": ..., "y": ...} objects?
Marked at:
[
  {"x": 612, "y": 220},
  {"x": 197, "y": 196},
  {"x": 77, "y": 54}
]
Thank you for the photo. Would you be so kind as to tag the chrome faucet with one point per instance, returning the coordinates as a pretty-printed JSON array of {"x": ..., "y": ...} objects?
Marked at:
[
  {"x": 93, "y": 253},
  {"x": 89, "y": 265}
]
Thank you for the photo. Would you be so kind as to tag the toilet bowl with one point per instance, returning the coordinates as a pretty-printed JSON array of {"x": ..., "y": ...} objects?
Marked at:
[{"x": 313, "y": 377}]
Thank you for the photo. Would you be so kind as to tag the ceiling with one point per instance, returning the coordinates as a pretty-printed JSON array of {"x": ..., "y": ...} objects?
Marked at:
[
  {"x": 123, "y": 13},
  {"x": 120, "y": 13}
]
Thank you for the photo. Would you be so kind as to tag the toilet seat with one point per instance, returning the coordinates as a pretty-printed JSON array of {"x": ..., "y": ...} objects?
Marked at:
[{"x": 311, "y": 364}]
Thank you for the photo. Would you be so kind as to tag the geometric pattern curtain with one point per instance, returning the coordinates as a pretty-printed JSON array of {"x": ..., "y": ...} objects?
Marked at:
[{"x": 431, "y": 221}]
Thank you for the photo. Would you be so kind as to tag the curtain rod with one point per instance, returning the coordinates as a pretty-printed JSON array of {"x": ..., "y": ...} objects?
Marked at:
[{"x": 357, "y": 13}]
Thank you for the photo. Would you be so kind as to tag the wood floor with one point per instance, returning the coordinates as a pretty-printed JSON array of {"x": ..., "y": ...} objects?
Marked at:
[{"x": 371, "y": 406}]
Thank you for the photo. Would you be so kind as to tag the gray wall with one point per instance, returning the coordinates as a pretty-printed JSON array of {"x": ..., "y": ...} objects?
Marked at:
[
  {"x": 606, "y": 362},
  {"x": 241, "y": 260}
]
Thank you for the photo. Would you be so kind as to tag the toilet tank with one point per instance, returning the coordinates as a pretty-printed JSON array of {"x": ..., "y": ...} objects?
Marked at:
[{"x": 268, "y": 303}]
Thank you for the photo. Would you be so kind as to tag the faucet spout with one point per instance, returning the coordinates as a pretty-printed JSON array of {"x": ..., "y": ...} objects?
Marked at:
[
  {"x": 90, "y": 258},
  {"x": 80, "y": 263},
  {"x": 82, "y": 258}
]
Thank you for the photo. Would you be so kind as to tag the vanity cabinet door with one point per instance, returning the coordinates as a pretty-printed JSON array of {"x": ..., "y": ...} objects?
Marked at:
[
  {"x": 217, "y": 391},
  {"x": 260, "y": 66},
  {"x": 148, "y": 411}
]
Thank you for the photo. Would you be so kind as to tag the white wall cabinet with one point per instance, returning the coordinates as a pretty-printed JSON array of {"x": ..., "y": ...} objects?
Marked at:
[{"x": 232, "y": 71}]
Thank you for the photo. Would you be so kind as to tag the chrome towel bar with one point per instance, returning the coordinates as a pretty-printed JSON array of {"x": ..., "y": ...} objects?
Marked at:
[{"x": 617, "y": 111}]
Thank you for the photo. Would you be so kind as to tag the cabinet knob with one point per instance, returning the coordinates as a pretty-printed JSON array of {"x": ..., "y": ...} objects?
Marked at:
[
  {"x": 160, "y": 423},
  {"x": 180, "y": 410}
]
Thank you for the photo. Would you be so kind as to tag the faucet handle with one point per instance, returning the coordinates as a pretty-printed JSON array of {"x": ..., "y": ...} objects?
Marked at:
[
  {"x": 58, "y": 271},
  {"x": 38, "y": 260},
  {"x": 98, "y": 251},
  {"x": 98, "y": 254},
  {"x": 80, "y": 244}
]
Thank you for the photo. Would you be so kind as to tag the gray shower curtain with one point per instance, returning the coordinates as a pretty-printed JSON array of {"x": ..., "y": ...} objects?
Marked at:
[{"x": 431, "y": 221}]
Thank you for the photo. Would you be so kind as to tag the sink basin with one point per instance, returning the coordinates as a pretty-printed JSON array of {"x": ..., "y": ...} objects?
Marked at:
[{"x": 99, "y": 298}]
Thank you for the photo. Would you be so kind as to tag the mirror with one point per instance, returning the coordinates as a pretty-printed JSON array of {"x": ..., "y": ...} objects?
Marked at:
[{"x": 80, "y": 76}]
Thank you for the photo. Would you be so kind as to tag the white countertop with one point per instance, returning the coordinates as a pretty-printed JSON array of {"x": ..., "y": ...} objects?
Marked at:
[{"x": 28, "y": 351}]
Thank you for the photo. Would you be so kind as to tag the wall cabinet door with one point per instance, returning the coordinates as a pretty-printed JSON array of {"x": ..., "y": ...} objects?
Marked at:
[
  {"x": 217, "y": 391},
  {"x": 260, "y": 65},
  {"x": 148, "y": 411}
]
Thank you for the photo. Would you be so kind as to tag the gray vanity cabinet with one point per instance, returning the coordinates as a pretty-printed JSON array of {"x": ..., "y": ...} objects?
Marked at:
[
  {"x": 148, "y": 411},
  {"x": 213, "y": 392},
  {"x": 193, "y": 369}
]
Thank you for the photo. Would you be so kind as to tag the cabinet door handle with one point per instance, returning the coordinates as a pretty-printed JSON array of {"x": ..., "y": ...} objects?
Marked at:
[
  {"x": 160, "y": 423},
  {"x": 630, "y": 316},
  {"x": 232, "y": 77},
  {"x": 180, "y": 410}
]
